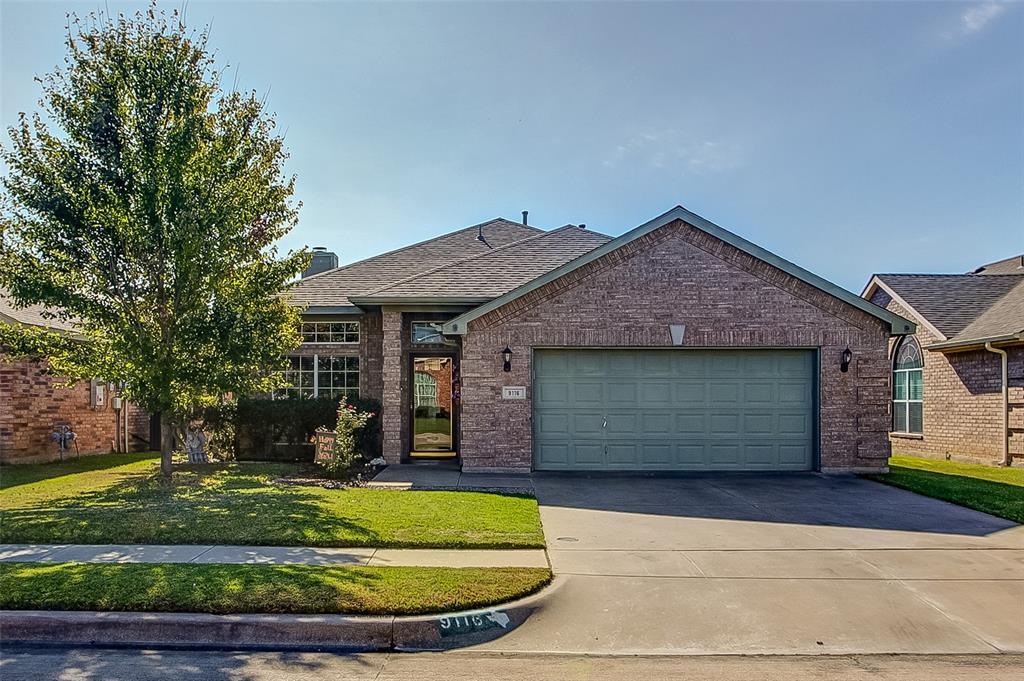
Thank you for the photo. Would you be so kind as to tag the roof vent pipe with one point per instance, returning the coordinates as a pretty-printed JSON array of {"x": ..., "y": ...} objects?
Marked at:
[{"x": 525, "y": 213}]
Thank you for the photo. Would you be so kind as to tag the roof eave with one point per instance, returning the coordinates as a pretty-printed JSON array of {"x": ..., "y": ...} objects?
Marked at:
[
  {"x": 897, "y": 324},
  {"x": 331, "y": 309},
  {"x": 976, "y": 343},
  {"x": 450, "y": 301}
]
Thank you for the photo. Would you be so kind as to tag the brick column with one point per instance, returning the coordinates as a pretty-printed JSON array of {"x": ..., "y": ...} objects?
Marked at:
[{"x": 391, "y": 402}]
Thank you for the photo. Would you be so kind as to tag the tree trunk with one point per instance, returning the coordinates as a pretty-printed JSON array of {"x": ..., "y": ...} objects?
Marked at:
[{"x": 166, "y": 445}]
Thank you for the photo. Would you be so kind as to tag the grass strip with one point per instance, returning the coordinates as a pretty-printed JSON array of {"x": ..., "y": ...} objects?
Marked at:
[
  {"x": 995, "y": 490},
  {"x": 291, "y": 589}
]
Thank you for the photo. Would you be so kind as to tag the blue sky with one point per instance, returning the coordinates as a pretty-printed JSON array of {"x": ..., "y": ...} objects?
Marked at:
[{"x": 848, "y": 137}]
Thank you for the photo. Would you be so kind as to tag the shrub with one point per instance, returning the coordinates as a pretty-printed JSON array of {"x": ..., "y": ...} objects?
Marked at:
[
  {"x": 262, "y": 429},
  {"x": 350, "y": 422}
]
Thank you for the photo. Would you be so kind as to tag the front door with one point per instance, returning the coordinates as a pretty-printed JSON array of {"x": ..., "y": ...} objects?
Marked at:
[{"x": 432, "y": 406}]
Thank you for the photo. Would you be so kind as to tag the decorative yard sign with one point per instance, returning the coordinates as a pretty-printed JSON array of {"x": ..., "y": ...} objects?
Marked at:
[
  {"x": 323, "y": 440},
  {"x": 513, "y": 392},
  {"x": 453, "y": 625}
]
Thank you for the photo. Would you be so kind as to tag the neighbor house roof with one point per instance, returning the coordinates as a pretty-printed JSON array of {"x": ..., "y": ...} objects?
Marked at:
[
  {"x": 1014, "y": 265},
  {"x": 964, "y": 310},
  {"x": 333, "y": 290},
  {"x": 896, "y": 323},
  {"x": 32, "y": 315},
  {"x": 488, "y": 275}
]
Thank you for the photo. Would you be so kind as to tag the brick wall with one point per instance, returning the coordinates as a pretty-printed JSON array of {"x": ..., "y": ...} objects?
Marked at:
[
  {"x": 726, "y": 298},
  {"x": 962, "y": 411},
  {"x": 32, "y": 406}
]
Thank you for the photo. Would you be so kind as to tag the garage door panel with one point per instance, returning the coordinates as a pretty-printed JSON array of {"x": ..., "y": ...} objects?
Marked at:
[
  {"x": 655, "y": 394},
  {"x": 588, "y": 453},
  {"x": 691, "y": 391},
  {"x": 623, "y": 424},
  {"x": 553, "y": 424},
  {"x": 621, "y": 393},
  {"x": 725, "y": 454},
  {"x": 674, "y": 409},
  {"x": 758, "y": 424},
  {"x": 656, "y": 455},
  {"x": 691, "y": 424},
  {"x": 587, "y": 425},
  {"x": 622, "y": 453},
  {"x": 759, "y": 454},
  {"x": 588, "y": 393},
  {"x": 724, "y": 424},
  {"x": 550, "y": 392},
  {"x": 656, "y": 424},
  {"x": 723, "y": 393}
]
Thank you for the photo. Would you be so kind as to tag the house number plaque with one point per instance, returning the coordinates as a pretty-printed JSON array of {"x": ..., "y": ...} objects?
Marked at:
[{"x": 513, "y": 392}]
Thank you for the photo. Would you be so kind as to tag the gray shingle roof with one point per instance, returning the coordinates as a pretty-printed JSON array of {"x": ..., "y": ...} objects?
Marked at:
[
  {"x": 32, "y": 315},
  {"x": 495, "y": 272},
  {"x": 336, "y": 287},
  {"x": 1014, "y": 265},
  {"x": 964, "y": 307}
]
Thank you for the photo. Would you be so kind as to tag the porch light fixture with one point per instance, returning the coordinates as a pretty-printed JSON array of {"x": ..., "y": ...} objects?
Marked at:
[
  {"x": 844, "y": 364},
  {"x": 506, "y": 356}
]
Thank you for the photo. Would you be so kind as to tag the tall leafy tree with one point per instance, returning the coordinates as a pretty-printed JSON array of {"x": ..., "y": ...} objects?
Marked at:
[{"x": 144, "y": 206}]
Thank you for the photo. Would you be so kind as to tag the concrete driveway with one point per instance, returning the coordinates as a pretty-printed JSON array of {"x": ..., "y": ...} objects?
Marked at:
[{"x": 760, "y": 564}]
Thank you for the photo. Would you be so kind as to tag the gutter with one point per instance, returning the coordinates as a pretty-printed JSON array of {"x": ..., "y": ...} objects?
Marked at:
[
  {"x": 1006, "y": 401},
  {"x": 977, "y": 342}
]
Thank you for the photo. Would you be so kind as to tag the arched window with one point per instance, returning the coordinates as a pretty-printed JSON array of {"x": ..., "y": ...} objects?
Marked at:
[{"x": 908, "y": 387}]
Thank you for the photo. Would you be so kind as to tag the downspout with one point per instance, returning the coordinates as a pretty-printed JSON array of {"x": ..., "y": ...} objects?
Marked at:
[{"x": 1006, "y": 402}]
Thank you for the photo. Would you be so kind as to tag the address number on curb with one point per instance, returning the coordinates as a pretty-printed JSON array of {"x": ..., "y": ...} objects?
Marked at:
[{"x": 467, "y": 624}]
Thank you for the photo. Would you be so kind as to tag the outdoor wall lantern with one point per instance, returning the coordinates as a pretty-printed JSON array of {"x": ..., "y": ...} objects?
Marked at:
[
  {"x": 506, "y": 355},
  {"x": 844, "y": 364}
]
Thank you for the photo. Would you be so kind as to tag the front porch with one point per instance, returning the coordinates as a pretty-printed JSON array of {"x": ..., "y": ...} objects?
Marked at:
[{"x": 446, "y": 475}]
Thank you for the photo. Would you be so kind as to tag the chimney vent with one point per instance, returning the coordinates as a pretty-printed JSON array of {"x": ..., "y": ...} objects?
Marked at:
[
  {"x": 525, "y": 213},
  {"x": 582, "y": 225},
  {"x": 321, "y": 261}
]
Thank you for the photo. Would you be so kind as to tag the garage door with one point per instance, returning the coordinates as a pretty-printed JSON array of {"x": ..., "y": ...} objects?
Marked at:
[{"x": 674, "y": 409}]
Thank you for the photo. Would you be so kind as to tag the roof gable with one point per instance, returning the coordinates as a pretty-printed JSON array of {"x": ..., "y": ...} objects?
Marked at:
[
  {"x": 963, "y": 309},
  {"x": 334, "y": 288},
  {"x": 896, "y": 323}
]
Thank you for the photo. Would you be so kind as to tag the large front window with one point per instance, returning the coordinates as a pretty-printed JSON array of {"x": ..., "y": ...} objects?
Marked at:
[
  {"x": 321, "y": 376},
  {"x": 908, "y": 388}
]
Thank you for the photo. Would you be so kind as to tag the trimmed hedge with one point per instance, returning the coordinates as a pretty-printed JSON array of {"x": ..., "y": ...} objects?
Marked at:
[{"x": 280, "y": 430}]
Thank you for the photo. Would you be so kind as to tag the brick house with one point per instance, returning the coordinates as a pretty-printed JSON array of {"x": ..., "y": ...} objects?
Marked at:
[
  {"x": 958, "y": 382},
  {"x": 676, "y": 346},
  {"x": 32, "y": 406}
]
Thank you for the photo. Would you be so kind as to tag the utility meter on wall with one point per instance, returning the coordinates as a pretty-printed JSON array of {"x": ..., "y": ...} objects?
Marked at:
[{"x": 98, "y": 394}]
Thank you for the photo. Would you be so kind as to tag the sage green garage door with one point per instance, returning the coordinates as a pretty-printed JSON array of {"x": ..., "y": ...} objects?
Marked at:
[{"x": 674, "y": 409}]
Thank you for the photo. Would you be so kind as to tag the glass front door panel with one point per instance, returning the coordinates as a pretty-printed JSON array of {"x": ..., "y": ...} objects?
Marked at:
[{"x": 432, "y": 404}]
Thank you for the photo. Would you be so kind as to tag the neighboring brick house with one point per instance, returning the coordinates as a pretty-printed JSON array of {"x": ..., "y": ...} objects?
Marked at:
[
  {"x": 950, "y": 396},
  {"x": 676, "y": 346},
  {"x": 32, "y": 406}
]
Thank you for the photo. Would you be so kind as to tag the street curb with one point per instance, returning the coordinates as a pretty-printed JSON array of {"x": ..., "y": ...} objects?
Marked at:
[{"x": 295, "y": 632}]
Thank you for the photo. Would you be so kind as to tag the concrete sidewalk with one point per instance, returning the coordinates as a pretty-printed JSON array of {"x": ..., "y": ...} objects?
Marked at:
[{"x": 269, "y": 555}]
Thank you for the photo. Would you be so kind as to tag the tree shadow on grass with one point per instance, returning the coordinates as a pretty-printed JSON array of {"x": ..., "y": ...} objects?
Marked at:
[
  {"x": 15, "y": 475},
  {"x": 209, "y": 504}
]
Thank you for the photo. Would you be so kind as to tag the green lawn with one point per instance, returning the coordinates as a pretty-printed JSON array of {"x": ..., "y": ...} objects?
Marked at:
[
  {"x": 991, "y": 489},
  {"x": 120, "y": 499},
  {"x": 222, "y": 589}
]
